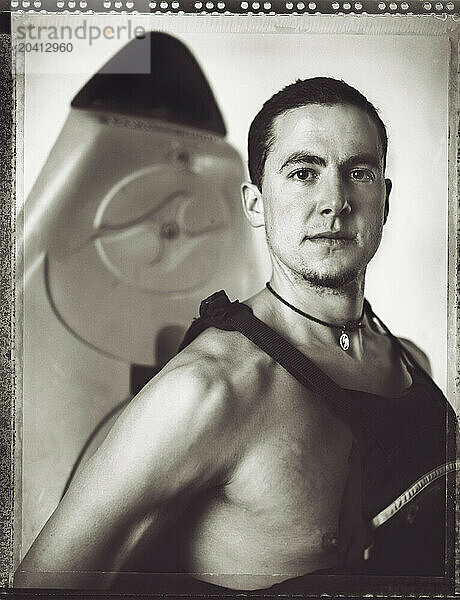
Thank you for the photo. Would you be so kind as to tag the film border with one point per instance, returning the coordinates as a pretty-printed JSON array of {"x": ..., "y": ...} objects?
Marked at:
[
  {"x": 7, "y": 312},
  {"x": 326, "y": 7},
  {"x": 7, "y": 227}
]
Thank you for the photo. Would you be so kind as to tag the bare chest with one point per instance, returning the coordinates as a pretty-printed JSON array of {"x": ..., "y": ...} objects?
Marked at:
[
  {"x": 297, "y": 458},
  {"x": 280, "y": 507}
]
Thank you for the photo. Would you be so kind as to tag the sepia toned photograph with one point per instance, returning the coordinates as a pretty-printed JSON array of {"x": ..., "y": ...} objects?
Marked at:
[{"x": 235, "y": 303}]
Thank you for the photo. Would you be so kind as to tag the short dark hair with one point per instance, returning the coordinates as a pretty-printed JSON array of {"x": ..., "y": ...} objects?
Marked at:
[{"x": 318, "y": 90}]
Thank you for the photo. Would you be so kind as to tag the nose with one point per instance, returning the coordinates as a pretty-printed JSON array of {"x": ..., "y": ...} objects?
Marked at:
[{"x": 334, "y": 199}]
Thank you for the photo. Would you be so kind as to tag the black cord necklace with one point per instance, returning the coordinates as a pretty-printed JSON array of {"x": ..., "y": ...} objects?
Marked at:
[{"x": 344, "y": 340}]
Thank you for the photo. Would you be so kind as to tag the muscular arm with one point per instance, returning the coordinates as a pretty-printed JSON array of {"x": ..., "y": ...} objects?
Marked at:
[{"x": 172, "y": 441}]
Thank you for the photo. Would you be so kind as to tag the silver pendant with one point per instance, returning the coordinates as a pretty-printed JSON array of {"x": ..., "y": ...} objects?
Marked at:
[{"x": 344, "y": 341}]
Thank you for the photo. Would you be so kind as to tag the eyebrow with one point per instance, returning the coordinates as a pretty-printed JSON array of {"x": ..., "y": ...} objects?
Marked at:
[
  {"x": 364, "y": 159},
  {"x": 303, "y": 157},
  {"x": 297, "y": 158}
]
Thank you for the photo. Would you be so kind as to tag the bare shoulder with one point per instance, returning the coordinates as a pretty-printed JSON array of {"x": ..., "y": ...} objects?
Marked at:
[
  {"x": 226, "y": 359},
  {"x": 189, "y": 403},
  {"x": 203, "y": 396},
  {"x": 417, "y": 353}
]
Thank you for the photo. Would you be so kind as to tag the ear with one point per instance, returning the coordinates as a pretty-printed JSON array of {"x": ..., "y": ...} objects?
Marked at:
[
  {"x": 388, "y": 186},
  {"x": 252, "y": 204}
]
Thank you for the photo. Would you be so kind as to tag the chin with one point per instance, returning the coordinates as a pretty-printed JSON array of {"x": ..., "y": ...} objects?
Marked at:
[{"x": 331, "y": 281}]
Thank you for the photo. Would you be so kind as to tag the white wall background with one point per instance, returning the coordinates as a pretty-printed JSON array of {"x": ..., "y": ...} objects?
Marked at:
[{"x": 246, "y": 59}]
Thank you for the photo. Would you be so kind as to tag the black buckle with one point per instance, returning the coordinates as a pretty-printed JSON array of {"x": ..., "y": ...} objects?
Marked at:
[{"x": 217, "y": 308}]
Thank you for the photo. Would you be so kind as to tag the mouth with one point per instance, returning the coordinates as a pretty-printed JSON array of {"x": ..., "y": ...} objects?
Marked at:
[{"x": 330, "y": 238}]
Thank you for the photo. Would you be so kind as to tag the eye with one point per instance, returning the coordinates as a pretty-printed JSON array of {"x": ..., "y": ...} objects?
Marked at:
[
  {"x": 304, "y": 174},
  {"x": 362, "y": 175}
]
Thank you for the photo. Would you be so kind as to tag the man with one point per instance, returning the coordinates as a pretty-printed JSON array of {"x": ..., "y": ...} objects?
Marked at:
[{"x": 264, "y": 478}]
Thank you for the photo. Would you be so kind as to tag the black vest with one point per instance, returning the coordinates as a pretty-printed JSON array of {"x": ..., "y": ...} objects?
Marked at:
[{"x": 400, "y": 440}]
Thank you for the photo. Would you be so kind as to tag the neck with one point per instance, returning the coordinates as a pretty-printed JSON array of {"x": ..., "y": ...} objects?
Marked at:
[{"x": 333, "y": 305}]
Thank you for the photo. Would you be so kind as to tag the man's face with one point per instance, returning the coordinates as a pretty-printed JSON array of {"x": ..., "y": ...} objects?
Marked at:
[{"x": 324, "y": 195}]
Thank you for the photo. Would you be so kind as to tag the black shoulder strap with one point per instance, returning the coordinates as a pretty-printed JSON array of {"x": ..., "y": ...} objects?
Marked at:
[
  {"x": 407, "y": 356},
  {"x": 410, "y": 361},
  {"x": 218, "y": 311}
]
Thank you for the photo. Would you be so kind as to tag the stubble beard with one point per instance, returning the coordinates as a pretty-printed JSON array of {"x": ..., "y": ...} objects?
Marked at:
[
  {"x": 347, "y": 281},
  {"x": 337, "y": 282}
]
